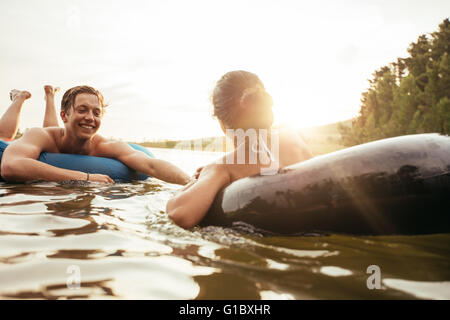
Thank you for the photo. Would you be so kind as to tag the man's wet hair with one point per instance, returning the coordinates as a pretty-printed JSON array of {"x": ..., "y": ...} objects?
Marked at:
[{"x": 68, "y": 99}]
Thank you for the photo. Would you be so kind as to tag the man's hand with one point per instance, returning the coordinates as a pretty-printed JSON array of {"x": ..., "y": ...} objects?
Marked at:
[{"x": 101, "y": 178}]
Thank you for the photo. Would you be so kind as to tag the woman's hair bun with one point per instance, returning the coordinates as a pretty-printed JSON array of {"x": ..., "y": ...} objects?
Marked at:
[
  {"x": 234, "y": 89},
  {"x": 256, "y": 95},
  {"x": 248, "y": 93}
]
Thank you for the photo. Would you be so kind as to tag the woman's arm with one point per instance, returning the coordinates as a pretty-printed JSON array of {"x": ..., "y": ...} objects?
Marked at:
[{"x": 188, "y": 207}]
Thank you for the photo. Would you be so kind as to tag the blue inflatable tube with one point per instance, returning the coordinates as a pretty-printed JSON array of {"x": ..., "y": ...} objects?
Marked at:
[{"x": 115, "y": 169}]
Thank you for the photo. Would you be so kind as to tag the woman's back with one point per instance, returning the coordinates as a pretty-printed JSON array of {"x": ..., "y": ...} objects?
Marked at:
[
  {"x": 243, "y": 107},
  {"x": 283, "y": 149}
]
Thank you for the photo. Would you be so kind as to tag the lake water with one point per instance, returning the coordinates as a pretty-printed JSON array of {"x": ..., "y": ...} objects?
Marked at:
[{"x": 71, "y": 241}]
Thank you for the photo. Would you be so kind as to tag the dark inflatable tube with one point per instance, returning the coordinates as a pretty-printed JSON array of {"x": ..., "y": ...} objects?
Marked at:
[
  {"x": 393, "y": 186},
  {"x": 115, "y": 169}
]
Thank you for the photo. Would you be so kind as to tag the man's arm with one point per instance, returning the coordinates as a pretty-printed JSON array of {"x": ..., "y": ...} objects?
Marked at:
[
  {"x": 19, "y": 161},
  {"x": 139, "y": 161}
]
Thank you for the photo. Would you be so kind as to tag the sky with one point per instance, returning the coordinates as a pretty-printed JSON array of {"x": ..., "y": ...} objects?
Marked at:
[{"x": 156, "y": 62}]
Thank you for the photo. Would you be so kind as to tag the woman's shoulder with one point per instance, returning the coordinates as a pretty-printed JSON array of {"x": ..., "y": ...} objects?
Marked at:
[
  {"x": 292, "y": 148},
  {"x": 287, "y": 132},
  {"x": 288, "y": 137}
]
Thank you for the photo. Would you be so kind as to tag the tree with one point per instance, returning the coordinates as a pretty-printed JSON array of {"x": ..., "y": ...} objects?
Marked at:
[{"x": 411, "y": 95}]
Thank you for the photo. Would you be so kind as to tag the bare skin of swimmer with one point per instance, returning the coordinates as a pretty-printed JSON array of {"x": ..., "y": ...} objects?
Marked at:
[
  {"x": 79, "y": 136},
  {"x": 9, "y": 122},
  {"x": 50, "y": 117},
  {"x": 188, "y": 207},
  {"x": 240, "y": 102}
]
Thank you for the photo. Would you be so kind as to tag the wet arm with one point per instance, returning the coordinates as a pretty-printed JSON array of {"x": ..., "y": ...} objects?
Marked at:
[
  {"x": 188, "y": 207},
  {"x": 139, "y": 161},
  {"x": 19, "y": 161}
]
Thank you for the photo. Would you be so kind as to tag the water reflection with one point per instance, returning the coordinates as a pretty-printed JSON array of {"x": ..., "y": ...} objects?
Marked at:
[
  {"x": 126, "y": 247},
  {"x": 93, "y": 289}
]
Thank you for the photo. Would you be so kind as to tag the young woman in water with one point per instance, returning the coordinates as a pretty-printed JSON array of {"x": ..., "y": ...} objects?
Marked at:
[{"x": 240, "y": 102}]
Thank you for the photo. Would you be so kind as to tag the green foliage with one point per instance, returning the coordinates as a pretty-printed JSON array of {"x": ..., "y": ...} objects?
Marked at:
[{"x": 411, "y": 95}]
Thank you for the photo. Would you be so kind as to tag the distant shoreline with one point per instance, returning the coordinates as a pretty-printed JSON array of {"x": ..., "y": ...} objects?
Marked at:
[{"x": 321, "y": 140}]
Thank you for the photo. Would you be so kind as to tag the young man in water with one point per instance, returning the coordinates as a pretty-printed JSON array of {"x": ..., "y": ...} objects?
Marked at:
[{"x": 82, "y": 110}]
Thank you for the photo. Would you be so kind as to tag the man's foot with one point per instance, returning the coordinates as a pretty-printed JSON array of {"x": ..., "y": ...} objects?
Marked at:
[
  {"x": 18, "y": 94},
  {"x": 50, "y": 91}
]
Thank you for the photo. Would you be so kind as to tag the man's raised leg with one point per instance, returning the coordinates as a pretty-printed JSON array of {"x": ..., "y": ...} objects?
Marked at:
[
  {"x": 50, "y": 117},
  {"x": 9, "y": 122}
]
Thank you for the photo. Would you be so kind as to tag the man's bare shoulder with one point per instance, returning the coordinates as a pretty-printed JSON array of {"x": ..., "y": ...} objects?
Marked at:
[
  {"x": 100, "y": 139},
  {"x": 33, "y": 134},
  {"x": 36, "y": 140},
  {"x": 104, "y": 147},
  {"x": 102, "y": 142}
]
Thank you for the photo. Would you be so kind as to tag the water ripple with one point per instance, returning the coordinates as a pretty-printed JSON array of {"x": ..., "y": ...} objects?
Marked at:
[{"x": 124, "y": 246}]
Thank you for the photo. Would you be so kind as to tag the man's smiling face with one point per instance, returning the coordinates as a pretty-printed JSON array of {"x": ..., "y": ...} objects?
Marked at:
[{"x": 85, "y": 117}]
